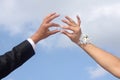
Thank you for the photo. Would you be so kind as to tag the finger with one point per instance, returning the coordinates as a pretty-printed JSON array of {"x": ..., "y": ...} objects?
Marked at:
[
  {"x": 49, "y": 19},
  {"x": 53, "y": 32},
  {"x": 67, "y": 33},
  {"x": 69, "y": 19},
  {"x": 78, "y": 20},
  {"x": 52, "y": 24},
  {"x": 68, "y": 28},
  {"x": 67, "y": 22},
  {"x": 49, "y": 15}
]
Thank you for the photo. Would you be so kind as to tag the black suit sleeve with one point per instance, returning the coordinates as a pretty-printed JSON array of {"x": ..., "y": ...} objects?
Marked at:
[{"x": 15, "y": 58}]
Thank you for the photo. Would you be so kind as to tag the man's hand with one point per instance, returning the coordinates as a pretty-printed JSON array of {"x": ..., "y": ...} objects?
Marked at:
[
  {"x": 74, "y": 27},
  {"x": 43, "y": 30}
]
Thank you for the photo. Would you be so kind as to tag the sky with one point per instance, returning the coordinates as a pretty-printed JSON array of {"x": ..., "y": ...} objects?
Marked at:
[{"x": 57, "y": 58}]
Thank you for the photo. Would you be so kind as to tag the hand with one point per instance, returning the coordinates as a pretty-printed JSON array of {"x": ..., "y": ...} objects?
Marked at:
[
  {"x": 74, "y": 27},
  {"x": 43, "y": 30}
]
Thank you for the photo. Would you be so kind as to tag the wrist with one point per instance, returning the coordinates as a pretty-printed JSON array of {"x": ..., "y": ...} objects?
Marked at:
[
  {"x": 84, "y": 39},
  {"x": 36, "y": 38}
]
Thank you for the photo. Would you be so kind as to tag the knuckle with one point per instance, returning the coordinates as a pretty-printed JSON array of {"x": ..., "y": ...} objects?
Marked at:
[{"x": 44, "y": 25}]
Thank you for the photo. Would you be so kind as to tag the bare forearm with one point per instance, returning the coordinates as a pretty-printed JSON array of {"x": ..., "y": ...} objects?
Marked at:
[{"x": 105, "y": 59}]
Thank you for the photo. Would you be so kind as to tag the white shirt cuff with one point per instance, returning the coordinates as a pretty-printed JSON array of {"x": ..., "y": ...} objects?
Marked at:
[{"x": 31, "y": 42}]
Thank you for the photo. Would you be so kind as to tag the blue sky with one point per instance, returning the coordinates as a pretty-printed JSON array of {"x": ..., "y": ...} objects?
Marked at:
[{"x": 57, "y": 58}]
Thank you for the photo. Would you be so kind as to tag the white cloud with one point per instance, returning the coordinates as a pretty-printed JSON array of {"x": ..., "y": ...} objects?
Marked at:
[
  {"x": 99, "y": 18},
  {"x": 14, "y": 16},
  {"x": 96, "y": 72},
  {"x": 111, "y": 10},
  {"x": 102, "y": 24}
]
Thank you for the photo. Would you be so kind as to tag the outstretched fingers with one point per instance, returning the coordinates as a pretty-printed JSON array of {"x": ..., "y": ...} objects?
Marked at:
[
  {"x": 53, "y": 32},
  {"x": 67, "y": 33},
  {"x": 68, "y": 28},
  {"x": 50, "y": 17},
  {"x": 78, "y": 20},
  {"x": 70, "y": 20},
  {"x": 52, "y": 24}
]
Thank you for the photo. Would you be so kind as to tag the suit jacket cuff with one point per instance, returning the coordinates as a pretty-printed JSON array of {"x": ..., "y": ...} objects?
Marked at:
[{"x": 31, "y": 42}]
